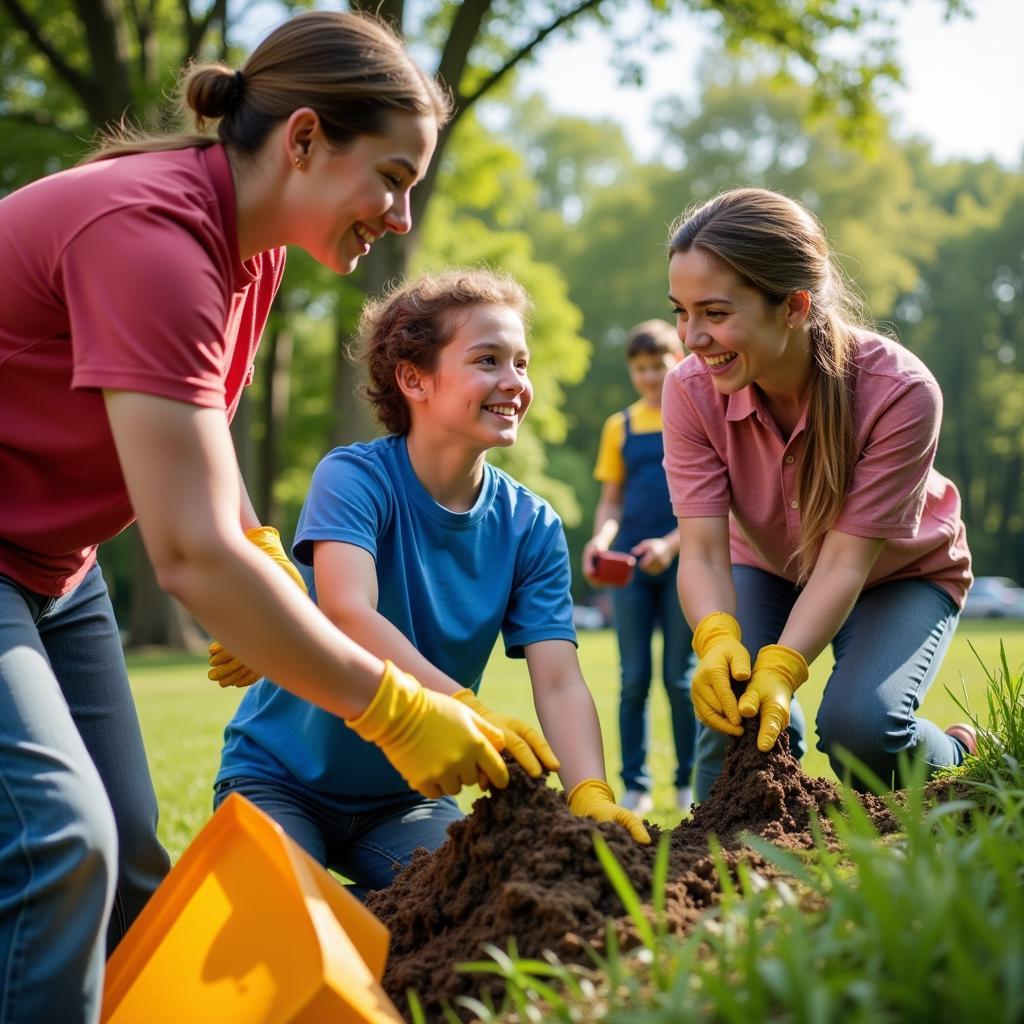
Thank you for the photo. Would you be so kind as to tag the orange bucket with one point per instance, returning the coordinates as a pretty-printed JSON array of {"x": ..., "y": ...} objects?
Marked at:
[{"x": 248, "y": 929}]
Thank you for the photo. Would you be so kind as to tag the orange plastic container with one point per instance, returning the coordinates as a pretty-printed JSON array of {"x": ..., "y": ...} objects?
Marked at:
[{"x": 248, "y": 929}]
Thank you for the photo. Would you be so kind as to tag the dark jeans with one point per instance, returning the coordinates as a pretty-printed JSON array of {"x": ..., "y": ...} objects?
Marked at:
[
  {"x": 79, "y": 855},
  {"x": 887, "y": 654},
  {"x": 647, "y": 602},
  {"x": 369, "y": 847}
]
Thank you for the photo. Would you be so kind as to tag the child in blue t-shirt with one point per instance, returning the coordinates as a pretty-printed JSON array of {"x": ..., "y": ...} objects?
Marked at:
[
  {"x": 423, "y": 552},
  {"x": 634, "y": 514}
]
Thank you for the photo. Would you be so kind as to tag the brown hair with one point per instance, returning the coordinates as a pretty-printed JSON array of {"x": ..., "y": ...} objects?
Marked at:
[
  {"x": 413, "y": 322},
  {"x": 350, "y": 68},
  {"x": 653, "y": 338},
  {"x": 772, "y": 243}
]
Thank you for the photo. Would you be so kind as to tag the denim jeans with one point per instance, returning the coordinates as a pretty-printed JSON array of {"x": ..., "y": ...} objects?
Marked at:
[
  {"x": 79, "y": 855},
  {"x": 368, "y": 847},
  {"x": 648, "y": 601},
  {"x": 887, "y": 654}
]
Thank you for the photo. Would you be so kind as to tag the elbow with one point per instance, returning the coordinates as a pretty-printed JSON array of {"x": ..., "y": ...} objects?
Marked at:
[
  {"x": 345, "y": 615},
  {"x": 182, "y": 563}
]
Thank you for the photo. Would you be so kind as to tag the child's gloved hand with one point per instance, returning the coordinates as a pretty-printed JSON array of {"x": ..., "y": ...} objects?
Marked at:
[
  {"x": 716, "y": 641},
  {"x": 436, "y": 743},
  {"x": 778, "y": 672},
  {"x": 593, "y": 798},
  {"x": 522, "y": 741},
  {"x": 225, "y": 668}
]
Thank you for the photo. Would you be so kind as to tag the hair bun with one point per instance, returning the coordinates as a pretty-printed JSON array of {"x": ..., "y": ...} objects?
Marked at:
[{"x": 212, "y": 90}]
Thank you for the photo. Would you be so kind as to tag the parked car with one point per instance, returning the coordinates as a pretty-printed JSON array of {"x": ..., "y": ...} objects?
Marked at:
[
  {"x": 584, "y": 616},
  {"x": 995, "y": 597}
]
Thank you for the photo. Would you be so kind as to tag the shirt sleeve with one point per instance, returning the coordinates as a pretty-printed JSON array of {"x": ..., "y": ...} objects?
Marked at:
[
  {"x": 347, "y": 502},
  {"x": 154, "y": 320},
  {"x": 610, "y": 467},
  {"x": 888, "y": 489},
  {"x": 698, "y": 478},
  {"x": 540, "y": 606}
]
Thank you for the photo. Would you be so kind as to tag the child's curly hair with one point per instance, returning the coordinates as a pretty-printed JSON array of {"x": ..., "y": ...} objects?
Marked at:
[{"x": 413, "y": 322}]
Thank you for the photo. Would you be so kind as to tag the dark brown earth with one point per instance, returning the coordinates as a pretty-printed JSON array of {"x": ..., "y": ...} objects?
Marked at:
[{"x": 522, "y": 865}]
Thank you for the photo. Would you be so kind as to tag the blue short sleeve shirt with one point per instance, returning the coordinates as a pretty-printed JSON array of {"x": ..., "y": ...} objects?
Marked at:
[{"x": 450, "y": 581}]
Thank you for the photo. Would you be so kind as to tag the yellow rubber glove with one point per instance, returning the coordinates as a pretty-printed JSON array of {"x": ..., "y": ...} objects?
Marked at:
[
  {"x": 716, "y": 641},
  {"x": 437, "y": 744},
  {"x": 593, "y": 798},
  {"x": 778, "y": 672},
  {"x": 225, "y": 668},
  {"x": 522, "y": 741}
]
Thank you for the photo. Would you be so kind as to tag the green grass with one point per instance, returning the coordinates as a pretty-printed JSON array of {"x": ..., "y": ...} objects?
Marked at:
[{"x": 183, "y": 715}]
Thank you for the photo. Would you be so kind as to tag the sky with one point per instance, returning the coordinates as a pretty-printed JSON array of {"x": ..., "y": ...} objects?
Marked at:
[{"x": 964, "y": 80}]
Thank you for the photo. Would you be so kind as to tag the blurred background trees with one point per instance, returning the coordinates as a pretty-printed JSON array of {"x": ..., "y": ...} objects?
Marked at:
[{"x": 563, "y": 204}]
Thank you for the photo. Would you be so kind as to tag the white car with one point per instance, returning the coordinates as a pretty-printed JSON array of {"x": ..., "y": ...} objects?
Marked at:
[
  {"x": 586, "y": 617},
  {"x": 994, "y": 597}
]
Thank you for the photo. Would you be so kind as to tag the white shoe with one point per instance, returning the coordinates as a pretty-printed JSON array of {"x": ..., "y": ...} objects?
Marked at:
[
  {"x": 637, "y": 801},
  {"x": 684, "y": 797}
]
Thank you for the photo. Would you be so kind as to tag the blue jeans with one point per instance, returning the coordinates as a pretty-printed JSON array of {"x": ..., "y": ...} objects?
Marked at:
[
  {"x": 79, "y": 855},
  {"x": 887, "y": 654},
  {"x": 644, "y": 603},
  {"x": 369, "y": 847}
]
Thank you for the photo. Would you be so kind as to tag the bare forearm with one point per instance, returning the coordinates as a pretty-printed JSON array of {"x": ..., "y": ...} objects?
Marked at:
[
  {"x": 705, "y": 586},
  {"x": 367, "y": 627},
  {"x": 569, "y": 721},
  {"x": 606, "y": 522},
  {"x": 821, "y": 609},
  {"x": 671, "y": 541},
  {"x": 832, "y": 589},
  {"x": 246, "y": 513},
  {"x": 271, "y": 626}
]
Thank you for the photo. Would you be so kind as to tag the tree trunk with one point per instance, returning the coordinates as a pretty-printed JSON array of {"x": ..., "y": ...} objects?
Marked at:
[
  {"x": 109, "y": 95},
  {"x": 275, "y": 419},
  {"x": 353, "y": 419},
  {"x": 241, "y": 435},
  {"x": 157, "y": 619}
]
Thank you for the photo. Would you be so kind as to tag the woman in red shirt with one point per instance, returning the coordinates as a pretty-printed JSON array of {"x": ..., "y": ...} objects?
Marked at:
[
  {"x": 799, "y": 450},
  {"x": 135, "y": 291}
]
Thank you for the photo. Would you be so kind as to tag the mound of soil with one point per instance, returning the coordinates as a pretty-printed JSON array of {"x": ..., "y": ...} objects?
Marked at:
[{"x": 522, "y": 865}]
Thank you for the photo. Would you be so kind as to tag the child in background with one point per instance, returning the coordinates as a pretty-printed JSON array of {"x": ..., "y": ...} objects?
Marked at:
[
  {"x": 422, "y": 551},
  {"x": 634, "y": 515}
]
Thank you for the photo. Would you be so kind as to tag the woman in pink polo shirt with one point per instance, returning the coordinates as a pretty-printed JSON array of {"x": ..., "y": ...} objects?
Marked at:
[
  {"x": 799, "y": 450},
  {"x": 135, "y": 291}
]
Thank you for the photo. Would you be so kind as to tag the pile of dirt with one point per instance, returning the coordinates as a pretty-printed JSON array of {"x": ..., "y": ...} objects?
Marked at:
[{"x": 522, "y": 865}]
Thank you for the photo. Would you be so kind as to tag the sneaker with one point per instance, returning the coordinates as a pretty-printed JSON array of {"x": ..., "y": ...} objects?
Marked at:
[
  {"x": 637, "y": 801},
  {"x": 965, "y": 735},
  {"x": 684, "y": 798}
]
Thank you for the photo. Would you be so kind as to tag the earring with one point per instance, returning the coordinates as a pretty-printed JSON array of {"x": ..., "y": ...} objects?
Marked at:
[{"x": 300, "y": 164}]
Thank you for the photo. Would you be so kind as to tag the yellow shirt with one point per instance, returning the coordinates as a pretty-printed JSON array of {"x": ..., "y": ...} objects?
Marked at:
[{"x": 643, "y": 419}]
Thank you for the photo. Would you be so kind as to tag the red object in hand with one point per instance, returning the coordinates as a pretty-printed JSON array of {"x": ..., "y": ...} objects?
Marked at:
[{"x": 613, "y": 568}]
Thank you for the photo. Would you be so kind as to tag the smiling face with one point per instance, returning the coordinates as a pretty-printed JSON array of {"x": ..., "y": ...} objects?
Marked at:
[
  {"x": 480, "y": 390},
  {"x": 731, "y": 327},
  {"x": 343, "y": 200}
]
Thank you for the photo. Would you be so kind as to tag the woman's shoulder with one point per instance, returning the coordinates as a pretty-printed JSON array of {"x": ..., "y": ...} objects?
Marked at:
[
  {"x": 880, "y": 356},
  {"x": 175, "y": 179}
]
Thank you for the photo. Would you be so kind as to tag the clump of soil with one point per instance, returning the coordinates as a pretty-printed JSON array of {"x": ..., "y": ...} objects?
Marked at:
[{"x": 522, "y": 865}]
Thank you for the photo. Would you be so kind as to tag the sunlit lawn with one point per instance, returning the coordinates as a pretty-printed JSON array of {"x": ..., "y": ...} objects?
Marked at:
[{"x": 183, "y": 715}]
